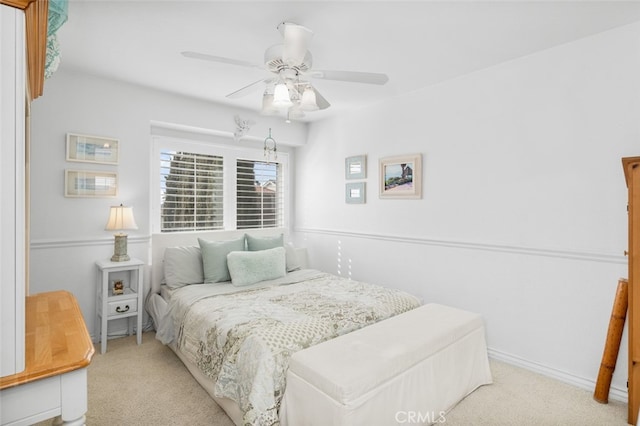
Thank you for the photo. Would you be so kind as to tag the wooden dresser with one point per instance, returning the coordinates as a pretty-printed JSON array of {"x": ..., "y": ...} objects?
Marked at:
[{"x": 58, "y": 351}]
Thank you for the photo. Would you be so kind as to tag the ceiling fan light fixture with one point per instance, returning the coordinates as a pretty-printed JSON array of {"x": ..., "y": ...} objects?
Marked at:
[
  {"x": 281, "y": 97},
  {"x": 309, "y": 101},
  {"x": 267, "y": 105}
]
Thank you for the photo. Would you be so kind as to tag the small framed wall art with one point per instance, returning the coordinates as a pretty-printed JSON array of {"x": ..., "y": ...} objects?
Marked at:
[
  {"x": 355, "y": 193},
  {"x": 355, "y": 167},
  {"x": 401, "y": 176},
  {"x": 92, "y": 149},
  {"x": 83, "y": 183}
]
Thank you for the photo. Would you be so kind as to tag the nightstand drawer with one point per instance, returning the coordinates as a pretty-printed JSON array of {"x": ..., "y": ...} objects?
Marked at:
[{"x": 122, "y": 307}]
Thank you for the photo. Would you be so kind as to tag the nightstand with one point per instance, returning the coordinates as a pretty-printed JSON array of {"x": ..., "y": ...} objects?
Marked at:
[{"x": 115, "y": 304}]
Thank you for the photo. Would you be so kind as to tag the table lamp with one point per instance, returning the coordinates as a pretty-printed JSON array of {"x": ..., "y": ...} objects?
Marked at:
[{"x": 120, "y": 218}]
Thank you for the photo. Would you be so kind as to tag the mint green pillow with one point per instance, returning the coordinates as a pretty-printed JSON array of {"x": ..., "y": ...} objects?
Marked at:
[
  {"x": 250, "y": 267},
  {"x": 264, "y": 243},
  {"x": 183, "y": 266},
  {"x": 214, "y": 258}
]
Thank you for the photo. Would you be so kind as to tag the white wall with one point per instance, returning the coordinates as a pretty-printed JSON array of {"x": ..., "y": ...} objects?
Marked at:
[
  {"x": 523, "y": 215},
  {"x": 67, "y": 234}
]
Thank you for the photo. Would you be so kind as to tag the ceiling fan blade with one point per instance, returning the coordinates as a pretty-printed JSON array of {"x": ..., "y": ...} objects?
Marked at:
[
  {"x": 250, "y": 88},
  {"x": 352, "y": 76},
  {"x": 221, "y": 59},
  {"x": 321, "y": 101}
]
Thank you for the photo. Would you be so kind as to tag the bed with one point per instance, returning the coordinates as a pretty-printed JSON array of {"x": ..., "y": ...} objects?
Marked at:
[{"x": 237, "y": 332}]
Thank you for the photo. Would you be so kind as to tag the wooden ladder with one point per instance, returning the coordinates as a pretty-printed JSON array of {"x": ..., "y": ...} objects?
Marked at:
[{"x": 612, "y": 344}]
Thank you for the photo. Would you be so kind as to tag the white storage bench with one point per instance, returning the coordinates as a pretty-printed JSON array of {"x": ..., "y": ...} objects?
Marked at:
[{"x": 414, "y": 366}]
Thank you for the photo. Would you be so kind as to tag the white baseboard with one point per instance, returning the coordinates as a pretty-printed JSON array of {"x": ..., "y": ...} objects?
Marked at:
[
  {"x": 615, "y": 393},
  {"x": 123, "y": 331}
]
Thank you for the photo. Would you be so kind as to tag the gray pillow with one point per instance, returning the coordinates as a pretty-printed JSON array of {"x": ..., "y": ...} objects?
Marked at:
[
  {"x": 214, "y": 258},
  {"x": 183, "y": 266},
  {"x": 250, "y": 267},
  {"x": 264, "y": 243}
]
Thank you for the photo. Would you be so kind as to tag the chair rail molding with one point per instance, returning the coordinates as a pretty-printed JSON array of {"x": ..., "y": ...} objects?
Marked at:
[
  {"x": 42, "y": 244},
  {"x": 469, "y": 245}
]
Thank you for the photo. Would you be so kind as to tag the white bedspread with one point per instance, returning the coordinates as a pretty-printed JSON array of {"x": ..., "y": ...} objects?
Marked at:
[
  {"x": 186, "y": 296},
  {"x": 243, "y": 340}
]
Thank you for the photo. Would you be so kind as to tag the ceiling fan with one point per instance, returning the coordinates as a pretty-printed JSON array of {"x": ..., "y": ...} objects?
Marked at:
[{"x": 287, "y": 88}]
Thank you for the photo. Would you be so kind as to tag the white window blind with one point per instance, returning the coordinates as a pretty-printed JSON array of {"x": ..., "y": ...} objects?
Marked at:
[
  {"x": 191, "y": 187},
  {"x": 259, "y": 194}
]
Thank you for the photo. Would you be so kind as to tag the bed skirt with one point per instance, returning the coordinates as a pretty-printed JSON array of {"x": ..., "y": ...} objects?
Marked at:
[{"x": 157, "y": 308}]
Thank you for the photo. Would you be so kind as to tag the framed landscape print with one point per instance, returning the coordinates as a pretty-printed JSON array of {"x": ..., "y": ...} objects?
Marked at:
[
  {"x": 92, "y": 149},
  {"x": 83, "y": 183},
  {"x": 401, "y": 176}
]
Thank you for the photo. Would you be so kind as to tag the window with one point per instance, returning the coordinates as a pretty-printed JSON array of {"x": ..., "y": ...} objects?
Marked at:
[
  {"x": 191, "y": 187},
  {"x": 205, "y": 186},
  {"x": 258, "y": 195}
]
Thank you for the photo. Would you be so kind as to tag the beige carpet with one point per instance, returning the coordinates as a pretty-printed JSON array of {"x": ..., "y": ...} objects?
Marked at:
[{"x": 148, "y": 385}]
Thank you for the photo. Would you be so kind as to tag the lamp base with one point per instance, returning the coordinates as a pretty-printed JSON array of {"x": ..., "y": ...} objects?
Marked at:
[
  {"x": 120, "y": 249},
  {"x": 120, "y": 258}
]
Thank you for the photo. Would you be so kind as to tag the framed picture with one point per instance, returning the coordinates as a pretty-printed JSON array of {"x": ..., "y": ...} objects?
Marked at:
[
  {"x": 355, "y": 167},
  {"x": 355, "y": 193},
  {"x": 92, "y": 149},
  {"x": 401, "y": 177},
  {"x": 82, "y": 183}
]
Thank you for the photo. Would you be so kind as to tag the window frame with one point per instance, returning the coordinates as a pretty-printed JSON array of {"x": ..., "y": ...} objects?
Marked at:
[{"x": 230, "y": 154}]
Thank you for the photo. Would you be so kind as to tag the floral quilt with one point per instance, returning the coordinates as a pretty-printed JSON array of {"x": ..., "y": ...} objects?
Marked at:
[{"x": 243, "y": 340}]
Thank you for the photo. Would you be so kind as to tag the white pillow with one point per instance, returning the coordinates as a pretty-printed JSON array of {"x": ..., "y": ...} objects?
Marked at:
[
  {"x": 293, "y": 261},
  {"x": 250, "y": 267},
  {"x": 183, "y": 266}
]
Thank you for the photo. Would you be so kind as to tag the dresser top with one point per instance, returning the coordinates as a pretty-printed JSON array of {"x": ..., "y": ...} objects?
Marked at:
[{"x": 57, "y": 340}]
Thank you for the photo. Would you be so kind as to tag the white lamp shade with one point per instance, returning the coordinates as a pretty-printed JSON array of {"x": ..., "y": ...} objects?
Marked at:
[
  {"x": 120, "y": 218},
  {"x": 267, "y": 105},
  {"x": 308, "y": 101},
  {"x": 281, "y": 96}
]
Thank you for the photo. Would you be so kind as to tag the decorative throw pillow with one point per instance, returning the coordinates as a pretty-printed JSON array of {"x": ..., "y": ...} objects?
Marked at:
[
  {"x": 250, "y": 267},
  {"x": 214, "y": 258},
  {"x": 293, "y": 262},
  {"x": 182, "y": 266},
  {"x": 264, "y": 243}
]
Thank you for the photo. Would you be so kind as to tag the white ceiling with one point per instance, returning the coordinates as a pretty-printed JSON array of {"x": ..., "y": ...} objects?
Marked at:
[{"x": 416, "y": 43}]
